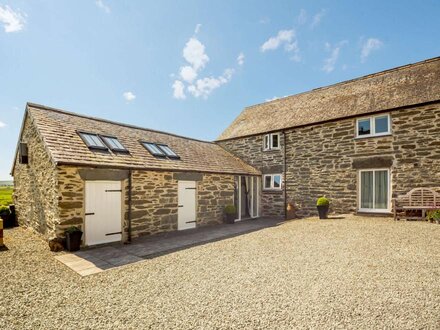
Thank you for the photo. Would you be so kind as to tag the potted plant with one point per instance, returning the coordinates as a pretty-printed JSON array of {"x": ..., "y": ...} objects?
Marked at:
[
  {"x": 323, "y": 204},
  {"x": 4, "y": 212},
  {"x": 230, "y": 213},
  {"x": 73, "y": 238}
]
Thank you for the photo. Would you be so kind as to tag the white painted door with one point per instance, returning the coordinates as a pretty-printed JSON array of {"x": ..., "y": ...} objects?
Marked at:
[
  {"x": 103, "y": 212},
  {"x": 186, "y": 213}
]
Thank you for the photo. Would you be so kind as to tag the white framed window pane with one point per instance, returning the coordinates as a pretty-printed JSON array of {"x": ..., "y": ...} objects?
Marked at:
[
  {"x": 277, "y": 181},
  {"x": 381, "y": 124},
  {"x": 381, "y": 189},
  {"x": 267, "y": 181},
  {"x": 367, "y": 190},
  {"x": 364, "y": 127},
  {"x": 266, "y": 141},
  {"x": 275, "y": 141}
]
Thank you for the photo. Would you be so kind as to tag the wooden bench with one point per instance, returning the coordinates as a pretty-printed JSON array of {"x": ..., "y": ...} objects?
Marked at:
[{"x": 418, "y": 199}]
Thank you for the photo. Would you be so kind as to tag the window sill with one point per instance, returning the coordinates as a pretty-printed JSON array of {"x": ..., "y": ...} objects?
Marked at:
[
  {"x": 274, "y": 191},
  {"x": 273, "y": 149},
  {"x": 371, "y": 136}
]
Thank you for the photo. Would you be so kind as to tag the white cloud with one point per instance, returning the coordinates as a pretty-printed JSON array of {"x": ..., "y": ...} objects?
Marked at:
[
  {"x": 194, "y": 54},
  {"x": 316, "y": 19},
  {"x": 368, "y": 46},
  {"x": 129, "y": 96},
  {"x": 103, "y": 6},
  {"x": 179, "y": 90},
  {"x": 264, "y": 20},
  {"x": 204, "y": 87},
  {"x": 240, "y": 59},
  {"x": 197, "y": 29},
  {"x": 330, "y": 62},
  {"x": 188, "y": 73},
  {"x": 302, "y": 17},
  {"x": 2, "y": 124},
  {"x": 286, "y": 38},
  {"x": 188, "y": 81},
  {"x": 13, "y": 21}
]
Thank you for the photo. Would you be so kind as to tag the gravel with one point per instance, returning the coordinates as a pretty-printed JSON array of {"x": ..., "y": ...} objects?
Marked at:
[{"x": 358, "y": 273}]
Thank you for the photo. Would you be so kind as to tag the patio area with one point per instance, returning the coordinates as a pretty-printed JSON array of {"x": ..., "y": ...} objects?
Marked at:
[{"x": 95, "y": 260}]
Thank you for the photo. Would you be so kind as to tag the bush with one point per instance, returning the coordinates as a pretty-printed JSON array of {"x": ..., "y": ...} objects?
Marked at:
[
  {"x": 323, "y": 201},
  {"x": 433, "y": 215},
  {"x": 230, "y": 209},
  {"x": 4, "y": 210}
]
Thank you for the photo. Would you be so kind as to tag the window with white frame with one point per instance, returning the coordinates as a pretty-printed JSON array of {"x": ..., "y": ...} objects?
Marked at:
[
  {"x": 272, "y": 181},
  {"x": 271, "y": 141},
  {"x": 373, "y": 126},
  {"x": 374, "y": 190}
]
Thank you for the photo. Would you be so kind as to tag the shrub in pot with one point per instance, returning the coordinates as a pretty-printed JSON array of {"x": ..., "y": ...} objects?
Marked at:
[
  {"x": 230, "y": 214},
  {"x": 4, "y": 214},
  {"x": 73, "y": 238},
  {"x": 323, "y": 204}
]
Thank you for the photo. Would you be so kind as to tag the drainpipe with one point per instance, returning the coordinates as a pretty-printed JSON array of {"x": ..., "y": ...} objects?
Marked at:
[
  {"x": 129, "y": 206},
  {"x": 285, "y": 176}
]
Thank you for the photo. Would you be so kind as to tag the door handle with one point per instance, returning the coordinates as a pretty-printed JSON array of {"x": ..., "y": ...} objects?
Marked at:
[{"x": 91, "y": 213}]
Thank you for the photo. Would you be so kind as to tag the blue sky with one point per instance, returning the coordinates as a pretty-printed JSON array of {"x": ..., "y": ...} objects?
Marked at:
[{"x": 190, "y": 67}]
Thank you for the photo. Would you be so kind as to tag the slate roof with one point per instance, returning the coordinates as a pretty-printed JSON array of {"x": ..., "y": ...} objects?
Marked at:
[
  {"x": 59, "y": 131},
  {"x": 407, "y": 85}
]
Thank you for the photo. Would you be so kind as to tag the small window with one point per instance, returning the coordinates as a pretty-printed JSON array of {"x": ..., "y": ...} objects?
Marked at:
[
  {"x": 373, "y": 126},
  {"x": 272, "y": 181},
  {"x": 168, "y": 151},
  {"x": 113, "y": 143},
  {"x": 93, "y": 141},
  {"x": 154, "y": 149},
  {"x": 271, "y": 141},
  {"x": 23, "y": 153}
]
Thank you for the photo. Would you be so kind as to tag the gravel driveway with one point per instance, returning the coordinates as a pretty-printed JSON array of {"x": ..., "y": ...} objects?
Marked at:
[{"x": 359, "y": 273}]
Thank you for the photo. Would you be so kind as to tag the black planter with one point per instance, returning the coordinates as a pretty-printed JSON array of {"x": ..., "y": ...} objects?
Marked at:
[
  {"x": 230, "y": 218},
  {"x": 73, "y": 240},
  {"x": 323, "y": 211}
]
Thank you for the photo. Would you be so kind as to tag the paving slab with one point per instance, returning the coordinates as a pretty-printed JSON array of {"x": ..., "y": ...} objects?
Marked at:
[{"x": 97, "y": 259}]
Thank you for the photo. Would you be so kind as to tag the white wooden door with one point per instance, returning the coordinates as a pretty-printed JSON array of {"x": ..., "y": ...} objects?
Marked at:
[
  {"x": 103, "y": 214},
  {"x": 187, "y": 205}
]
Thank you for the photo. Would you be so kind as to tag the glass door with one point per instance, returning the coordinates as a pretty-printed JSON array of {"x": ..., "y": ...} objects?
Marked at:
[
  {"x": 247, "y": 197},
  {"x": 374, "y": 190}
]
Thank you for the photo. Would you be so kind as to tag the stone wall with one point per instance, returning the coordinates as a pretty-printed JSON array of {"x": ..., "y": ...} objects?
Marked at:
[
  {"x": 154, "y": 199},
  {"x": 35, "y": 185},
  {"x": 214, "y": 192},
  {"x": 325, "y": 159},
  {"x": 250, "y": 150}
]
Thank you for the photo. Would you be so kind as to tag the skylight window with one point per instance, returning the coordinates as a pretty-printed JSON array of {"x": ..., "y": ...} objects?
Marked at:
[
  {"x": 154, "y": 149},
  {"x": 167, "y": 150},
  {"x": 92, "y": 141},
  {"x": 160, "y": 150},
  {"x": 113, "y": 143}
]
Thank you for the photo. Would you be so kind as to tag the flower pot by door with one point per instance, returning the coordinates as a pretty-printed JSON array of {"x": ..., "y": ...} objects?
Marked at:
[
  {"x": 323, "y": 211},
  {"x": 230, "y": 218},
  {"x": 73, "y": 240}
]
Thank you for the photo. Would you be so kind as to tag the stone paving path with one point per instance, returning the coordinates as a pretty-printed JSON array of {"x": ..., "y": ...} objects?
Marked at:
[{"x": 95, "y": 260}]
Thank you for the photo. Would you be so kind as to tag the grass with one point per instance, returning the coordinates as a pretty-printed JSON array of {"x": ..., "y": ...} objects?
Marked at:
[{"x": 5, "y": 195}]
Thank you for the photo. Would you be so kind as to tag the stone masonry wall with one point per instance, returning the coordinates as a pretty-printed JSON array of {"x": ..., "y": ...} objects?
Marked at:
[
  {"x": 325, "y": 159},
  {"x": 154, "y": 200},
  {"x": 35, "y": 185},
  {"x": 250, "y": 150},
  {"x": 214, "y": 192}
]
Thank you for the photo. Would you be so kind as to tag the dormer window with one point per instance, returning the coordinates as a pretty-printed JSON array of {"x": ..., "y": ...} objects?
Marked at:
[
  {"x": 271, "y": 141},
  {"x": 373, "y": 126}
]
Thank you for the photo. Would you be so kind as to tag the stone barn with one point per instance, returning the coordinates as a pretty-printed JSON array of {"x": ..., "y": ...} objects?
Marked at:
[{"x": 118, "y": 182}]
